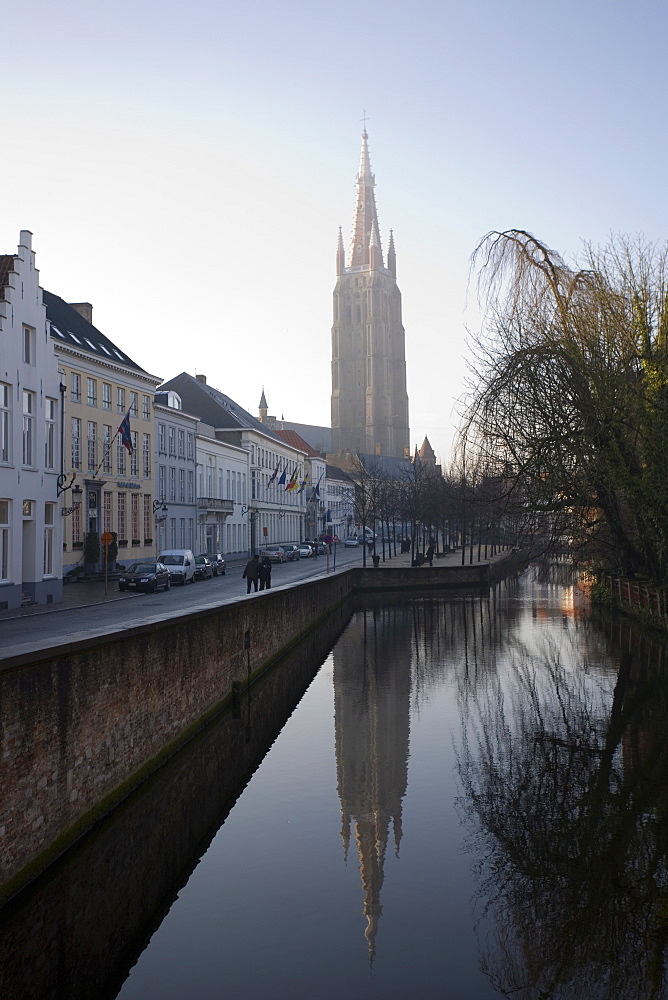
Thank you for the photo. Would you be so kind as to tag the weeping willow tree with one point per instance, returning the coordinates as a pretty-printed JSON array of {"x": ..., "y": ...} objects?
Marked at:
[{"x": 569, "y": 394}]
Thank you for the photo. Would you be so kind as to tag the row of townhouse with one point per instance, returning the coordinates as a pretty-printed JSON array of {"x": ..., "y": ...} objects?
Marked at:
[{"x": 93, "y": 447}]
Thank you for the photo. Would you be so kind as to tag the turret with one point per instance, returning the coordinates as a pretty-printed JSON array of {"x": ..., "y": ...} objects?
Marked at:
[
  {"x": 392, "y": 257},
  {"x": 340, "y": 255}
]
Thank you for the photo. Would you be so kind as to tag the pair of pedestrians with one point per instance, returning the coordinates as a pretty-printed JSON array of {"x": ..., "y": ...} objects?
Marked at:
[{"x": 257, "y": 572}]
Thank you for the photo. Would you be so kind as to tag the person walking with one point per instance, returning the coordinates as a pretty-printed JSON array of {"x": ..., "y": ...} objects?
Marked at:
[
  {"x": 430, "y": 552},
  {"x": 252, "y": 572},
  {"x": 264, "y": 571}
]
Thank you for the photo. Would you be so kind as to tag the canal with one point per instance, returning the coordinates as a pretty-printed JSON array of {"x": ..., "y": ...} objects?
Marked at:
[{"x": 467, "y": 800}]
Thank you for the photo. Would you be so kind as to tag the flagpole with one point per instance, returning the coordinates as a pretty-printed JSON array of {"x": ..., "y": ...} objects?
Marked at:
[{"x": 110, "y": 445}]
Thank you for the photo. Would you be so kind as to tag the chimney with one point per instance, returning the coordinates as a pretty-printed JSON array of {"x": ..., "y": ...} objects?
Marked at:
[
  {"x": 84, "y": 309},
  {"x": 201, "y": 378}
]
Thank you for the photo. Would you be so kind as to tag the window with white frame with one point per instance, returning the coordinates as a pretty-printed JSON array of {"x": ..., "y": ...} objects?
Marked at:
[
  {"x": 76, "y": 525},
  {"x": 182, "y": 444},
  {"x": 120, "y": 400},
  {"x": 172, "y": 484},
  {"x": 106, "y": 396},
  {"x": 162, "y": 483},
  {"x": 28, "y": 427},
  {"x": 29, "y": 357},
  {"x": 148, "y": 510},
  {"x": 191, "y": 486},
  {"x": 120, "y": 457},
  {"x": 191, "y": 445},
  {"x": 122, "y": 519},
  {"x": 134, "y": 457},
  {"x": 134, "y": 516},
  {"x": 172, "y": 440},
  {"x": 146, "y": 407},
  {"x": 5, "y": 423},
  {"x": 146, "y": 451},
  {"x": 4, "y": 539},
  {"x": 50, "y": 414},
  {"x": 49, "y": 532},
  {"x": 91, "y": 391},
  {"x": 182, "y": 531},
  {"x": 91, "y": 437},
  {"x": 106, "y": 510},
  {"x": 106, "y": 444},
  {"x": 75, "y": 391},
  {"x": 133, "y": 404},
  {"x": 182, "y": 485},
  {"x": 162, "y": 438}
]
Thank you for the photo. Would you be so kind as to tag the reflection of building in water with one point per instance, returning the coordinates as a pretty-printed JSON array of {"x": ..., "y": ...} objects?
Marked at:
[{"x": 372, "y": 684}]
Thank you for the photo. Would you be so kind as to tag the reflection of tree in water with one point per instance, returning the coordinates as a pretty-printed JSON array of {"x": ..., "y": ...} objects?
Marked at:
[{"x": 564, "y": 780}]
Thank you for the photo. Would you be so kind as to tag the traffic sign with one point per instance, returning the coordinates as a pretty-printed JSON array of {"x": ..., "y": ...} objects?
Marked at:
[{"x": 106, "y": 538}]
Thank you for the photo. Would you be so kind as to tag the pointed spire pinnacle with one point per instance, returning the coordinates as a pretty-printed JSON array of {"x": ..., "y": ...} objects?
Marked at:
[
  {"x": 392, "y": 256},
  {"x": 366, "y": 218},
  {"x": 263, "y": 400},
  {"x": 340, "y": 254}
]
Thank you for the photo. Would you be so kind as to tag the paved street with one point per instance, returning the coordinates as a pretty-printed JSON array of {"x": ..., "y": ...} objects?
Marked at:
[{"x": 85, "y": 605}]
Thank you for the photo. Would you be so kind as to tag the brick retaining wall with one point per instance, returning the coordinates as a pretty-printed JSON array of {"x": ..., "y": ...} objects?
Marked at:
[{"x": 84, "y": 722}]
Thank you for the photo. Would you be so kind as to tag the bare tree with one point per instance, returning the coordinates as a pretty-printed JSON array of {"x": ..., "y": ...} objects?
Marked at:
[{"x": 570, "y": 394}]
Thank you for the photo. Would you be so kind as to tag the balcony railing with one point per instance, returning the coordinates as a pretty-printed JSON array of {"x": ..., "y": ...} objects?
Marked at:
[{"x": 214, "y": 504}]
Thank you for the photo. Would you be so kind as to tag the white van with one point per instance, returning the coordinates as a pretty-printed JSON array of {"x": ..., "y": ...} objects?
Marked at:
[{"x": 180, "y": 563}]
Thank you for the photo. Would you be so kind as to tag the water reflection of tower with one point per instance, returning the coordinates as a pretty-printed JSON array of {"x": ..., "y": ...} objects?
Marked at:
[{"x": 372, "y": 685}]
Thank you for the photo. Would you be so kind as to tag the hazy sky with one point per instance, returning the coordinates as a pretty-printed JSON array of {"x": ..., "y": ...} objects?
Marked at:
[{"x": 185, "y": 167}]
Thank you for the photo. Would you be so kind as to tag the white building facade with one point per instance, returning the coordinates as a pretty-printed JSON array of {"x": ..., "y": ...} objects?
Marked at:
[
  {"x": 30, "y": 434},
  {"x": 175, "y": 507}
]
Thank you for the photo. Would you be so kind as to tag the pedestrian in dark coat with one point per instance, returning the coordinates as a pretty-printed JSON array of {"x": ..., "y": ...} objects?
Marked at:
[
  {"x": 264, "y": 570},
  {"x": 251, "y": 573},
  {"x": 430, "y": 554}
]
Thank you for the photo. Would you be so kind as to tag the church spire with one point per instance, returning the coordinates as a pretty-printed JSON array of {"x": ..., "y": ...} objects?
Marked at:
[{"x": 365, "y": 224}]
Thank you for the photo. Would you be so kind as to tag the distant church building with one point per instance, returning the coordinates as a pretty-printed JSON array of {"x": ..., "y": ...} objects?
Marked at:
[{"x": 369, "y": 398}]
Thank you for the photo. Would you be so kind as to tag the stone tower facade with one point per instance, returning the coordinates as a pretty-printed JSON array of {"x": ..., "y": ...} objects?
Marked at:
[{"x": 369, "y": 398}]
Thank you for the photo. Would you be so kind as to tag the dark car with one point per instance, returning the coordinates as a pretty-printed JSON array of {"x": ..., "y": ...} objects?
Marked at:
[
  {"x": 203, "y": 568},
  {"x": 292, "y": 552},
  {"x": 146, "y": 576},
  {"x": 217, "y": 562}
]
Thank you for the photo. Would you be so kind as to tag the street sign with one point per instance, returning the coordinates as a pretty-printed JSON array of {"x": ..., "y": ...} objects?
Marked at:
[
  {"x": 336, "y": 538},
  {"x": 106, "y": 538}
]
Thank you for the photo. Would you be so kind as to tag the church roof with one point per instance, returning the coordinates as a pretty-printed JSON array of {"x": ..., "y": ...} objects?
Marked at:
[
  {"x": 427, "y": 453},
  {"x": 263, "y": 401},
  {"x": 69, "y": 327},
  {"x": 297, "y": 441}
]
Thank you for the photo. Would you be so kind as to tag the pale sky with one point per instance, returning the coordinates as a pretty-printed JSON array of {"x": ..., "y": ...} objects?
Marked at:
[{"x": 185, "y": 167}]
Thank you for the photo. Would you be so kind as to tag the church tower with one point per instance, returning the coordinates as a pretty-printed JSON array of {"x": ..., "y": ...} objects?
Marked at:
[{"x": 369, "y": 399}]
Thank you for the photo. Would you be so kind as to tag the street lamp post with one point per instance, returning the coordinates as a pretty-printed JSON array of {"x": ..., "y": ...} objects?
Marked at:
[{"x": 160, "y": 509}]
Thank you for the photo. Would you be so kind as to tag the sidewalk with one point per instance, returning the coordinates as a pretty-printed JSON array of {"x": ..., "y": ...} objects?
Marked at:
[{"x": 85, "y": 593}]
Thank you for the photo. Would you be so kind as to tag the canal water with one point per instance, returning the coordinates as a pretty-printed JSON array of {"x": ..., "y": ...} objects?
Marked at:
[{"x": 467, "y": 802}]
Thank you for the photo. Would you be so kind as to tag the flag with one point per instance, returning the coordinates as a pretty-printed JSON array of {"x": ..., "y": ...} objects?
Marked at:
[
  {"x": 316, "y": 490},
  {"x": 292, "y": 483},
  {"x": 124, "y": 431},
  {"x": 303, "y": 484},
  {"x": 274, "y": 474},
  {"x": 281, "y": 481}
]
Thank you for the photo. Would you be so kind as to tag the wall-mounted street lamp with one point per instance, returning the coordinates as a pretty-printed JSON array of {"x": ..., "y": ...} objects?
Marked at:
[
  {"x": 159, "y": 506},
  {"x": 64, "y": 483},
  {"x": 76, "y": 500}
]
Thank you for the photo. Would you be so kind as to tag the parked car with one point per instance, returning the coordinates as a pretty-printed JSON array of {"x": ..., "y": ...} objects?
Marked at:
[
  {"x": 351, "y": 543},
  {"x": 180, "y": 563},
  {"x": 305, "y": 550},
  {"x": 217, "y": 561},
  {"x": 146, "y": 576},
  {"x": 292, "y": 552},
  {"x": 275, "y": 554},
  {"x": 203, "y": 568}
]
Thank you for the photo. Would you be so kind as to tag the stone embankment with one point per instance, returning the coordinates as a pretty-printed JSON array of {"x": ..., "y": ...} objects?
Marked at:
[{"x": 85, "y": 721}]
